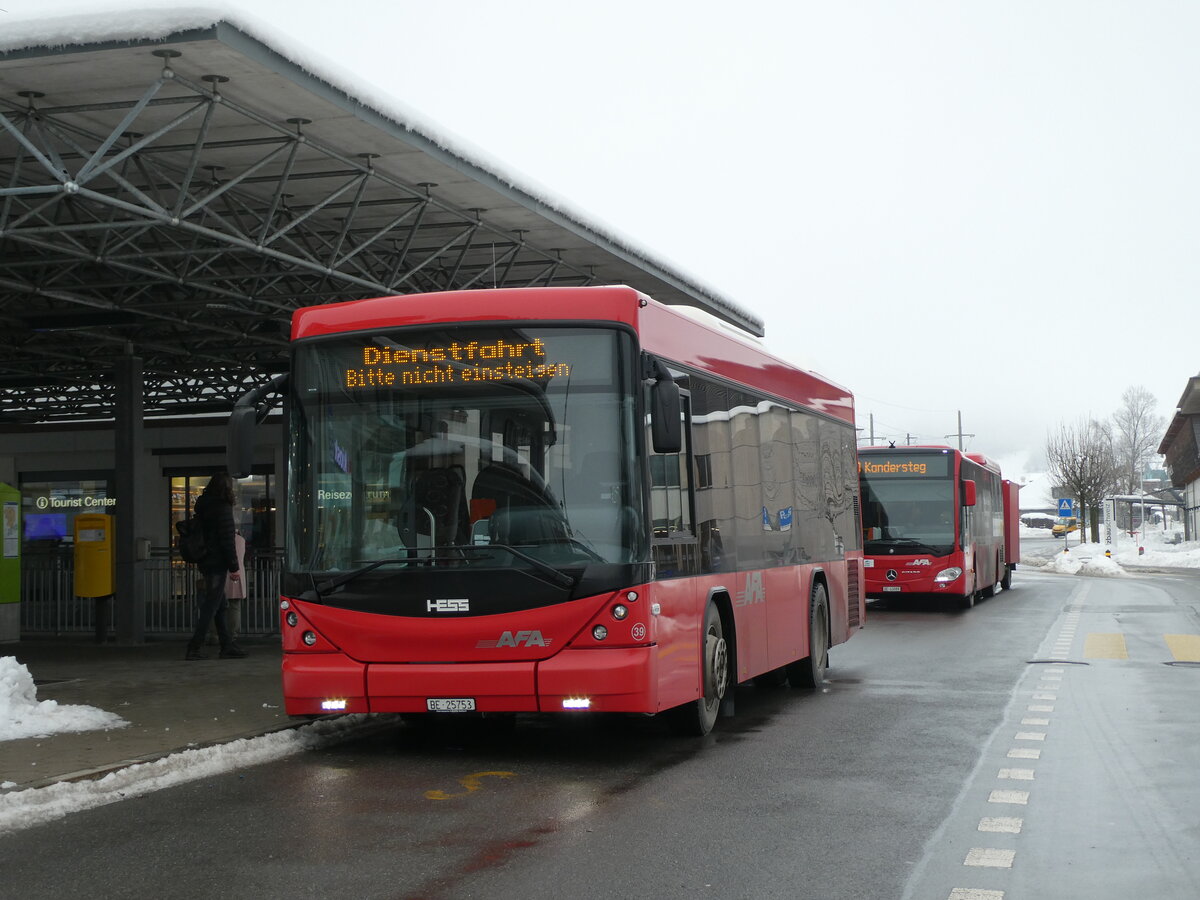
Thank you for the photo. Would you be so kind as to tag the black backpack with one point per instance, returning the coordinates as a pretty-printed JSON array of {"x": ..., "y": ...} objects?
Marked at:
[{"x": 191, "y": 540}]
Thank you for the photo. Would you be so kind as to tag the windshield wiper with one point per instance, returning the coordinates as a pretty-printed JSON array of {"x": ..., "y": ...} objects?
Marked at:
[
  {"x": 321, "y": 590},
  {"x": 546, "y": 571},
  {"x": 551, "y": 574},
  {"x": 907, "y": 542}
]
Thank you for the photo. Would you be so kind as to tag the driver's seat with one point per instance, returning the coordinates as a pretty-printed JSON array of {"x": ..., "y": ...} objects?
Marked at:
[
  {"x": 440, "y": 494},
  {"x": 523, "y": 525}
]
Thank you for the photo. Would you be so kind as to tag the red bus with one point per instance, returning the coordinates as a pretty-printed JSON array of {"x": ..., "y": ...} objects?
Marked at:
[
  {"x": 544, "y": 499},
  {"x": 937, "y": 522}
]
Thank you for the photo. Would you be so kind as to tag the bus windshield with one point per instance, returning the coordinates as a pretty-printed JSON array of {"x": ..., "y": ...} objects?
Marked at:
[
  {"x": 464, "y": 446},
  {"x": 908, "y": 504}
]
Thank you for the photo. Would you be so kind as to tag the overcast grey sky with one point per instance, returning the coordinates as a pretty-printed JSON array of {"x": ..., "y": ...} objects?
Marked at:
[{"x": 979, "y": 206}]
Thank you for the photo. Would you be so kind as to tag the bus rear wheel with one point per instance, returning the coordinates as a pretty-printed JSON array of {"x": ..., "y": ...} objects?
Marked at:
[
  {"x": 698, "y": 717},
  {"x": 810, "y": 672}
]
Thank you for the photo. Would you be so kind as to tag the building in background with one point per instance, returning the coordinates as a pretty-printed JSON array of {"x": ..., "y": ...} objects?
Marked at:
[{"x": 1181, "y": 447}]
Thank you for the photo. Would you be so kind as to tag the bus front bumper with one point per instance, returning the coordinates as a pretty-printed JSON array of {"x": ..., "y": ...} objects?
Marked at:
[{"x": 608, "y": 680}]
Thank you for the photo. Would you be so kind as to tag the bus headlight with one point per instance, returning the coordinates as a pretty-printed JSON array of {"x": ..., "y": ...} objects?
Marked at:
[
  {"x": 947, "y": 575},
  {"x": 599, "y": 632}
]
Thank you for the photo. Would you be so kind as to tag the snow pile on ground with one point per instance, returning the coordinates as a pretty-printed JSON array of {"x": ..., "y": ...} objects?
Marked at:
[
  {"x": 1102, "y": 567},
  {"x": 23, "y": 716},
  {"x": 1063, "y": 564},
  {"x": 1184, "y": 555},
  {"x": 34, "y": 806},
  {"x": 1089, "y": 559}
]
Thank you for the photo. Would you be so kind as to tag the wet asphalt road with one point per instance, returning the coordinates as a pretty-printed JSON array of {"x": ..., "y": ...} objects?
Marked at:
[{"x": 877, "y": 785}]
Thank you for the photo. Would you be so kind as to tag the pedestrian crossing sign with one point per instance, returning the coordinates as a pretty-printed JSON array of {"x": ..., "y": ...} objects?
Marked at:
[{"x": 1066, "y": 507}]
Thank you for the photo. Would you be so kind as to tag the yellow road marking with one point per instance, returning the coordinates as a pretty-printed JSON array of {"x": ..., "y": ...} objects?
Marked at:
[
  {"x": 472, "y": 783},
  {"x": 1105, "y": 646},
  {"x": 1184, "y": 647}
]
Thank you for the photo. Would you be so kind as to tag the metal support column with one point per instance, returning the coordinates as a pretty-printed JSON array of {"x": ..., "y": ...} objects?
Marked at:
[{"x": 130, "y": 603}]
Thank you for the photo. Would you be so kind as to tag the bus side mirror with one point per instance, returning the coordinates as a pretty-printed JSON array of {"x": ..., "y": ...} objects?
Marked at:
[
  {"x": 666, "y": 429},
  {"x": 968, "y": 493},
  {"x": 240, "y": 441},
  {"x": 249, "y": 409}
]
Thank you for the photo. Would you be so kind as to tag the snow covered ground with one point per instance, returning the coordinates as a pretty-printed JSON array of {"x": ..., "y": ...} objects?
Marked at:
[
  {"x": 1041, "y": 551},
  {"x": 23, "y": 716}
]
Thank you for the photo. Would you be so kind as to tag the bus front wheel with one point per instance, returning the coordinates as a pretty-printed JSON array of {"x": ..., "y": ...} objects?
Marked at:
[
  {"x": 969, "y": 600},
  {"x": 698, "y": 717},
  {"x": 810, "y": 671}
]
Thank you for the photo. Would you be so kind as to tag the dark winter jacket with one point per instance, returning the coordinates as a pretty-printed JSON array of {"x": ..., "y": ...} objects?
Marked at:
[{"x": 220, "y": 551}]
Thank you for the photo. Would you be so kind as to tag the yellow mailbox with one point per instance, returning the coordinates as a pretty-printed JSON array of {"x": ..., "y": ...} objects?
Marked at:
[{"x": 94, "y": 555}]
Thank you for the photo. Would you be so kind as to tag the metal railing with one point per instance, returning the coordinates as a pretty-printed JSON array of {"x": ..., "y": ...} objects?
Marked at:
[{"x": 171, "y": 589}]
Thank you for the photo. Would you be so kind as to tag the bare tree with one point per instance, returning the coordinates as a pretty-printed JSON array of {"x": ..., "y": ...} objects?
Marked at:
[
  {"x": 1080, "y": 460},
  {"x": 1138, "y": 430}
]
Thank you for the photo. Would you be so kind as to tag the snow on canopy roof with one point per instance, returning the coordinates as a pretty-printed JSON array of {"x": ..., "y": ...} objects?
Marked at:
[{"x": 110, "y": 23}]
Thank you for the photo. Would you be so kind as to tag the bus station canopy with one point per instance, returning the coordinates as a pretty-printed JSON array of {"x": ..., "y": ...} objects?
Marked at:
[{"x": 174, "y": 199}]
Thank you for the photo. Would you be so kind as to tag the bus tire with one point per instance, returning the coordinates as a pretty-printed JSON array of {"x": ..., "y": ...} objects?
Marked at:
[
  {"x": 810, "y": 671},
  {"x": 969, "y": 600},
  {"x": 1006, "y": 580},
  {"x": 990, "y": 590},
  {"x": 698, "y": 717}
]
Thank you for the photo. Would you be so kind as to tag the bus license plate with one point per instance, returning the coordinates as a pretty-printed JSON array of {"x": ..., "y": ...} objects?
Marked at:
[
  {"x": 450, "y": 704},
  {"x": 891, "y": 587}
]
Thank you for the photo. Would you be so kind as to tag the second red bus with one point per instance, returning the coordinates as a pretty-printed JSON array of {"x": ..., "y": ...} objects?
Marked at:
[{"x": 937, "y": 522}]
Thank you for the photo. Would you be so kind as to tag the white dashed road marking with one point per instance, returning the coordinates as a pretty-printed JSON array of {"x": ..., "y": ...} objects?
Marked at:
[
  {"x": 992, "y": 858},
  {"x": 1017, "y": 774},
  {"x": 1048, "y": 683},
  {"x": 1001, "y": 824},
  {"x": 1017, "y": 797}
]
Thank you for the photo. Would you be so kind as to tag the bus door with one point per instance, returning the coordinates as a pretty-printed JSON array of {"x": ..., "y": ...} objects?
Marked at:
[
  {"x": 966, "y": 497},
  {"x": 675, "y": 551}
]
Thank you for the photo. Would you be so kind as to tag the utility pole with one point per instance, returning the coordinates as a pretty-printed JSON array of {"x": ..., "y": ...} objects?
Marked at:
[
  {"x": 959, "y": 434},
  {"x": 870, "y": 432}
]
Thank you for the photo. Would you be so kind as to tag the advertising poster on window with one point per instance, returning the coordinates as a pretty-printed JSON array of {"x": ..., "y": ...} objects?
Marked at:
[{"x": 12, "y": 530}]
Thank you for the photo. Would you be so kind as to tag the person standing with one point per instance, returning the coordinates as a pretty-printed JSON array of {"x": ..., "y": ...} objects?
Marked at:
[
  {"x": 214, "y": 510},
  {"x": 235, "y": 589}
]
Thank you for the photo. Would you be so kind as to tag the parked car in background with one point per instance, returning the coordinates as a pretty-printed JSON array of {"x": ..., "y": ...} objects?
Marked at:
[
  {"x": 1064, "y": 525},
  {"x": 1038, "y": 520}
]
